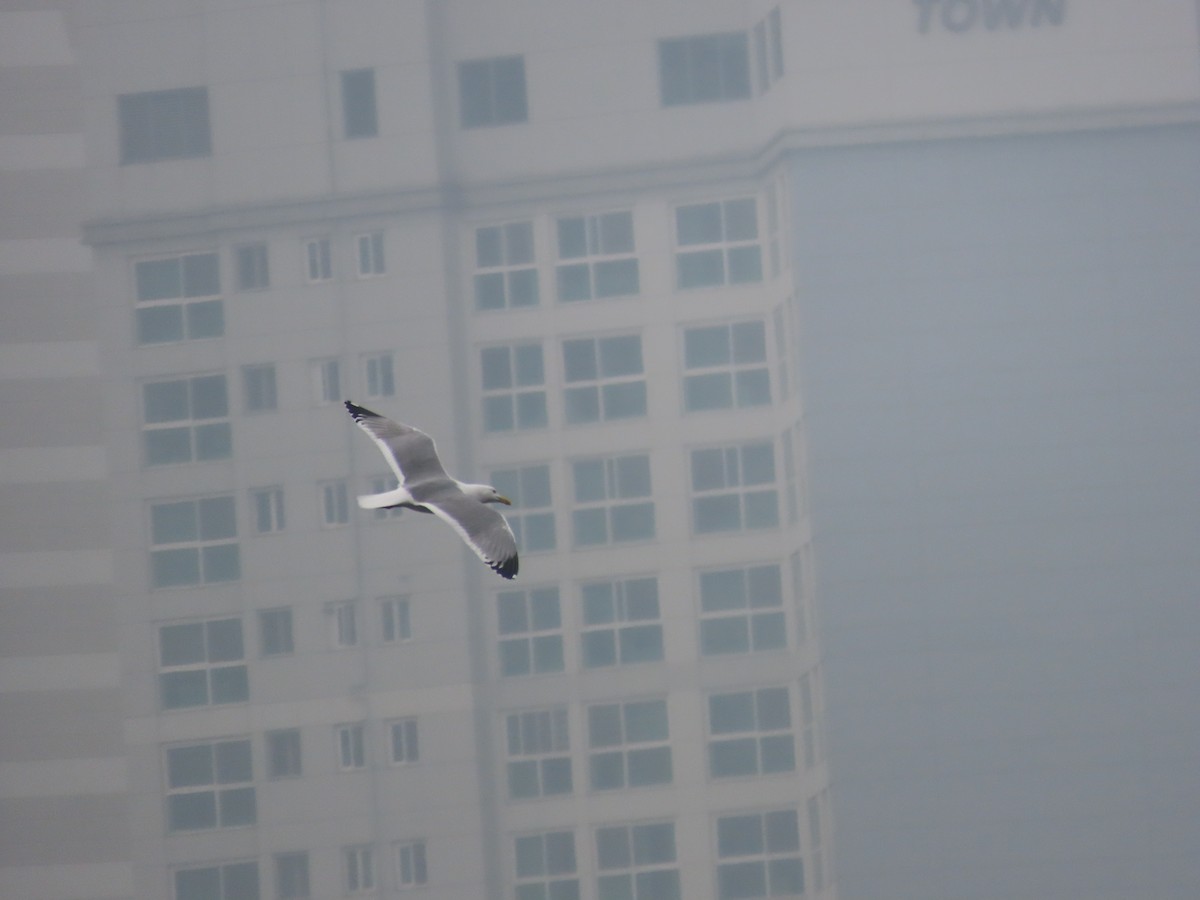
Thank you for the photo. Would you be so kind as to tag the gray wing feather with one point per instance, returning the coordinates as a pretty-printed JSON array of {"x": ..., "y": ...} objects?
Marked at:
[
  {"x": 410, "y": 452},
  {"x": 483, "y": 528}
]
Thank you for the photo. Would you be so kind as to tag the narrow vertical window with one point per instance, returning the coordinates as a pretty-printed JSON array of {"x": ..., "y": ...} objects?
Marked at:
[{"x": 358, "y": 103}]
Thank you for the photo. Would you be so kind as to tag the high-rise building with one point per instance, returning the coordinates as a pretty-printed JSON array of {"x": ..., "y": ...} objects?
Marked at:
[{"x": 722, "y": 295}]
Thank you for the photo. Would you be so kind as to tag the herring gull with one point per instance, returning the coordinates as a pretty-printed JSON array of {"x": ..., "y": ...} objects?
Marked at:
[{"x": 425, "y": 486}]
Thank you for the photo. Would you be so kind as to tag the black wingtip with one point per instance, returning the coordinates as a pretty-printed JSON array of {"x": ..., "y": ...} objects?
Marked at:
[
  {"x": 506, "y": 568},
  {"x": 360, "y": 412}
]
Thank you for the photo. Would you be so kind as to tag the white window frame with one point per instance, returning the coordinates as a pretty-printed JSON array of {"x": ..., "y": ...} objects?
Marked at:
[
  {"x": 403, "y": 742},
  {"x": 412, "y": 864},
  {"x": 510, "y": 266},
  {"x": 334, "y": 497},
  {"x": 740, "y": 490},
  {"x": 220, "y": 790},
  {"x": 379, "y": 374},
  {"x": 598, "y": 254},
  {"x": 189, "y": 299},
  {"x": 358, "y": 869},
  {"x": 538, "y": 740},
  {"x": 351, "y": 746},
  {"x": 395, "y": 619},
  {"x": 629, "y": 749},
  {"x": 318, "y": 258},
  {"x": 371, "y": 259},
  {"x": 344, "y": 631},
  {"x": 764, "y": 737},
  {"x": 619, "y": 499},
  {"x": 267, "y": 503},
  {"x": 539, "y": 640}
]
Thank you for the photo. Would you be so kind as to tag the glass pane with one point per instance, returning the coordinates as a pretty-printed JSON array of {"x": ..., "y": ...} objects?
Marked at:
[
  {"x": 749, "y": 342},
  {"x": 728, "y": 713},
  {"x": 778, "y": 754},
  {"x": 604, "y": 725},
  {"x": 572, "y": 238},
  {"x": 548, "y": 654},
  {"x": 241, "y": 881},
  {"x": 624, "y": 401},
  {"x": 753, "y": 387},
  {"x": 512, "y": 612},
  {"x": 475, "y": 93},
  {"x": 705, "y": 392},
  {"x": 614, "y": 887},
  {"x": 783, "y": 831},
  {"x": 708, "y": 469},
  {"x": 758, "y": 464},
  {"x": 531, "y": 410},
  {"x": 741, "y": 221},
  {"x": 198, "y": 884},
  {"x": 164, "y": 401},
  {"x": 514, "y": 657},
  {"x": 530, "y": 856},
  {"x": 205, "y": 320},
  {"x": 233, "y": 762},
  {"x": 509, "y": 85},
  {"x": 164, "y": 446},
  {"x": 641, "y": 598},
  {"x": 659, "y": 884},
  {"x": 773, "y": 709},
  {"x": 702, "y": 269},
  {"x": 535, "y": 486},
  {"x": 650, "y": 766},
  {"x": 538, "y": 532},
  {"x": 230, "y": 684},
  {"x": 173, "y": 568},
  {"x": 522, "y": 779},
  {"x": 588, "y": 476},
  {"x": 653, "y": 844},
  {"x": 224, "y": 637},
  {"x": 489, "y": 291},
  {"x": 238, "y": 807},
  {"x": 728, "y": 759},
  {"x": 745, "y": 265},
  {"x": 598, "y": 606},
  {"x": 209, "y": 397},
  {"x": 214, "y": 441},
  {"x": 579, "y": 360},
  {"x": 518, "y": 242},
  {"x": 698, "y": 224},
  {"x": 560, "y": 853},
  {"x": 178, "y": 690},
  {"x": 535, "y": 891},
  {"x": 528, "y": 365},
  {"x": 217, "y": 518},
  {"x": 719, "y": 513},
  {"x": 786, "y": 877},
  {"x": 522, "y": 287},
  {"x": 581, "y": 404},
  {"x": 159, "y": 279},
  {"x": 488, "y": 250},
  {"x": 620, "y": 355},
  {"x": 673, "y": 72},
  {"x": 187, "y": 811},
  {"x": 201, "y": 275},
  {"x": 158, "y": 324},
  {"x": 556, "y": 775},
  {"x": 706, "y": 347},
  {"x": 607, "y": 771},
  {"x": 495, "y": 368},
  {"x": 173, "y": 523},
  {"x": 768, "y": 631},
  {"x": 612, "y": 848},
  {"x": 222, "y": 562},
  {"x": 727, "y": 635},
  {"x": 616, "y": 277},
  {"x": 545, "y": 609},
  {"x": 741, "y": 880},
  {"x": 739, "y": 835},
  {"x": 190, "y": 766},
  {"x": 180, "y": 645},
  {"x": 498, "y": 413},
  {"x": 599, "y": 648},
  {"x": 641, "y": 643},
  {"x": 616, "y": 232},
  {"x": 590, "y": 526},
  {"x": 646, "y": 721},
  {"x": 723, "y": 590},
  {"x": 765, "y": 586},
  {"x": 633, "y": 522},
  {"x": 633, "y": 476}
]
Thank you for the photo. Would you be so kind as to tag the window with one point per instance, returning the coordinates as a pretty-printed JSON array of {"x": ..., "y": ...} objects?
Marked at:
[
  {"x": 381, "y": 378},
  {"x": 530, "y": 627},
  {"x": 768, "y": 50},
  {"x": 596, "y": 257},
  {"x": 178, "y": 299},
  {"x": 815, "y": 806},
  {"x": 319, "y": 254},
  {"x": 291, "y": 876},
  {"x": 741, "y": 610},
  {"x": 605, "y": 379},
  {"x": 529, "y": 489},
  {"x": 717, "y": 243},
  {"x": 404, "y": 746},
  {"x": 186, "y": 420},
  {"x": 621, "y": 622},
  {"x": 637, "y": 862},
  {"x": 267, "y": 504},
  {"x": 514, "y": 387},
  {"x": 335, "y": 504},
  {"x": 210, "y": 785},
  {"x": 358, "y": 103},
  {"x": 275, "y": 631},
  {"x": 258, "y": 388},
  {"x": 790, "y": 490},
  {"x": 411, "y": 870},
  {"x": 395, "y": 619},
  {"x": 725, "y": 366},
  {"x": 539, "y": 753},
  {"x": 758, "y": 855},
  {"x": 327, "y": 380},
  {"x": 194, "y": 542},
  {"x": 202, "y": 664},
  {"x": 545, "y": 866},
  {"x": 253, "y": 273},
  {"x": 232, "y": 881},
  {"x": 609, "y": 504},
  {"x": 352, "y": 748},
  {"x": 344, "y": 616},
  {"x": 808, "y": 721},
  {"x": 358, "y": 865},
  {"x": 629, "y": 744},
  {"x": 162, "y": 125},
  {"x": 750, "y": 733},
  {"x": 492, "y": 91},
  {"x": 705, "y": 68},
  {"x": 734, "y": 488},
  {"x": 505, "y": 276},
  {"x": 370, "y": 254},
  {"x": 283, "y": 753}
]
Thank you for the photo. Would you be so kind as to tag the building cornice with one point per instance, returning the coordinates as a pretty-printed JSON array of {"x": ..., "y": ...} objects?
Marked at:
[{"x": 457, "y": 198}]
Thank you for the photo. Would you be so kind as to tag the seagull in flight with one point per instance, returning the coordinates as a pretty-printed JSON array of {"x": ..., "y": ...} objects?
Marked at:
[{"x": 425, "y": 487}]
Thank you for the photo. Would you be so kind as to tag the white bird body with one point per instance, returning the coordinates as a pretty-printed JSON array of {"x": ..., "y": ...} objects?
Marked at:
[{"x": 425, "y": 486}]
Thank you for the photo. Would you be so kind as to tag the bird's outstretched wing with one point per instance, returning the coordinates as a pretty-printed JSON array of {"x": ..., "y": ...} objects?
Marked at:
[
  {"x": 483, "y": 528},
  {"x": 410, "y": 452}
]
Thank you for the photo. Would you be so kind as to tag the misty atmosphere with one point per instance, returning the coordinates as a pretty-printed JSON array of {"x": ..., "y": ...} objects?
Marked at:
[{"x": 834, "y": 369}]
